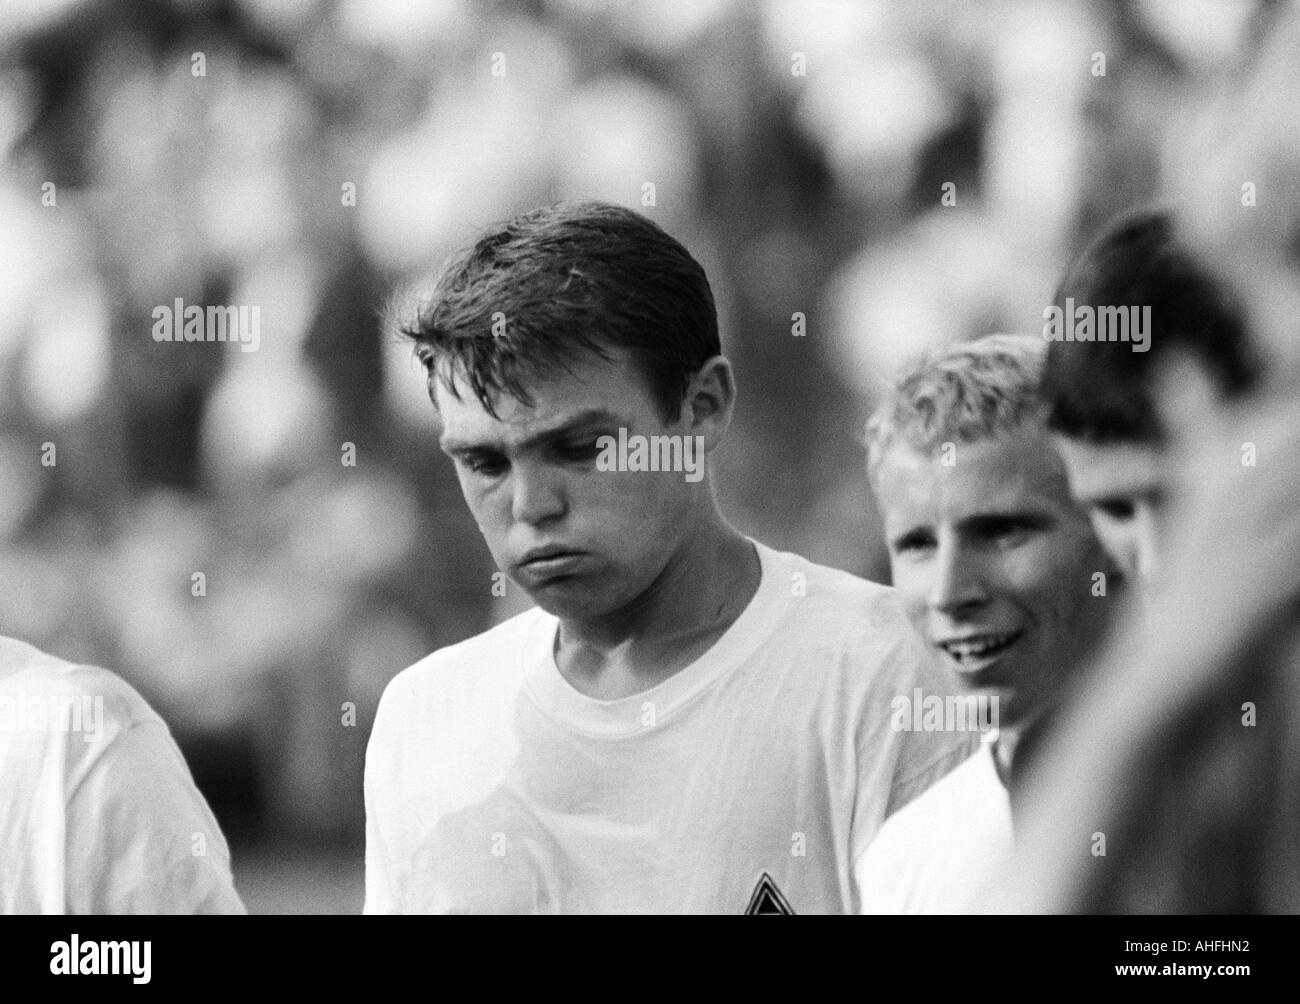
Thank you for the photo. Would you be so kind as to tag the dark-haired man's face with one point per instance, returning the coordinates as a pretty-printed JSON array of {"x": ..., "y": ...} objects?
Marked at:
[
  {"x": 581, "y": 541},
  {"x": 994, "y": 564},
  {"x": 1122, "y": 486}
]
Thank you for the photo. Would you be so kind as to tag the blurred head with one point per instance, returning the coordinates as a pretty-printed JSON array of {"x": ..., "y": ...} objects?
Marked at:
[
  {"x": 569, "y": 324},
  {"x": 1103, "y": 397},
  {"x": 993, "y": 561}
]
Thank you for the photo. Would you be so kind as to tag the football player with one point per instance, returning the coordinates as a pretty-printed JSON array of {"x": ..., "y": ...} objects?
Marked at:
[
  {"x": 1000, "y": 574},
  {"x": 688, "y": 721}
]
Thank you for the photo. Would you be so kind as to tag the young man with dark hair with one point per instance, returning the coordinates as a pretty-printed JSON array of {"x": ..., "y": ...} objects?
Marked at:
[
  {"x": 688, "y": 721},
  {"x": 1192, "y": 704},
  {"x": 998, "y": 570},
  {"x": 101, "y": 815},
  {"x": 1102, "y": 393},
  {"x": 1170, "y": 783}
]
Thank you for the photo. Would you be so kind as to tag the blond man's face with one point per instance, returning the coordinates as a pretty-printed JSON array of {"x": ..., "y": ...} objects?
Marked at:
[{"x": 995, "y": 564}]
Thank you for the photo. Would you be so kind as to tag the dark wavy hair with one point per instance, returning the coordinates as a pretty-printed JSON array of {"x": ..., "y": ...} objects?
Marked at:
[
  {"x": 545, "y": 289},
  {"x": 1102, "y": 391}
]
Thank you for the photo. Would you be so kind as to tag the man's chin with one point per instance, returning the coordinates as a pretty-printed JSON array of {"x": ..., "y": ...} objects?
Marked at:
[
  {"x": 569, "y": 599},
  {"x": 996, "y": 707}
]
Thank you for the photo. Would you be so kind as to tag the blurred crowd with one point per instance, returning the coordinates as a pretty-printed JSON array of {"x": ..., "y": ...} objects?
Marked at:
[{"x": 899, "y": 174}]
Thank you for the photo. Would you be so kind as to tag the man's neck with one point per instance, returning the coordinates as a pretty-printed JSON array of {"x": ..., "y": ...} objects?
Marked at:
[
  {"x": 1004, "y": 753},
  {"x": 703, "y": 589}
]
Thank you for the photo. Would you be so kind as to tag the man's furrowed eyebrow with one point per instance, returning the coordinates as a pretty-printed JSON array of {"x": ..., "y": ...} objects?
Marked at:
[{"x": 590, "y": 416}]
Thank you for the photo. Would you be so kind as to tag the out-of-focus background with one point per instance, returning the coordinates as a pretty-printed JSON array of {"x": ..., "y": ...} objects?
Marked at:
[{"x": 198, "y": 527}]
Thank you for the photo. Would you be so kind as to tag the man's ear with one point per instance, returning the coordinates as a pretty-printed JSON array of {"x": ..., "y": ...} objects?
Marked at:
[{"x": 709, "y": 401}]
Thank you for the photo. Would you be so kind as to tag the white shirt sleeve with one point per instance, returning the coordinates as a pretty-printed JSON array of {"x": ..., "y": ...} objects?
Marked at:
[
  {"x": 140, "y": 837},
  {"x": 381, "y": 896}
]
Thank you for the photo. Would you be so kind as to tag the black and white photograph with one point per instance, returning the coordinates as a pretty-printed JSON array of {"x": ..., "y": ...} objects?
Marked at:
[{"x": 650, "y": 457}]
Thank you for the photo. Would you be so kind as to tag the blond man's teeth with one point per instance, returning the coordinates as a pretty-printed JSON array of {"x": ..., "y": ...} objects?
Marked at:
[{"x": 974, "y": 648}]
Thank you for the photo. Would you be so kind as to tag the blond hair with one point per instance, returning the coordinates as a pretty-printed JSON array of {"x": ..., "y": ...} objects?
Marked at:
[{"x": 962, "y": 392}]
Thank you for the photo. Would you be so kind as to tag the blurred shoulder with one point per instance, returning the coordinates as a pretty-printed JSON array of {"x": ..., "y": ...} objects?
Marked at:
[
  {"x": 853, "y": 627},
  {"x": 29, "y": 674},
  {"x": 836, "y": 602}
]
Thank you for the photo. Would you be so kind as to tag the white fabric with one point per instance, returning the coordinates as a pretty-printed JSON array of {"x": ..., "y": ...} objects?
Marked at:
[
  {"x": 492, "y": 785},
  {"x": 941, "y": 853},
  {"x": 98, "y": 812}
]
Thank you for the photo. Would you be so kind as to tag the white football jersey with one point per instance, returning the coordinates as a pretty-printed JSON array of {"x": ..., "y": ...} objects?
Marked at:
[
  {"x": 943, "y": 852},
  {"x": 750, "y": 781},
  {"x": 98, "y": 811}
]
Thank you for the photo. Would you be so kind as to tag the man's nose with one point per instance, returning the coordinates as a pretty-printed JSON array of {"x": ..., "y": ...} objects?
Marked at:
[
  {"x": 1119, "y": 538},
  {"x": 1146, "y": 542},
  {"x": 958, "y": 581},
  {"x": 537, "y": 494}
]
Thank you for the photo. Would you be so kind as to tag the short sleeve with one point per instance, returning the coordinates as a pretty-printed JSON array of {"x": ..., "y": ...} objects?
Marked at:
[{"x": 140, "y": 836}]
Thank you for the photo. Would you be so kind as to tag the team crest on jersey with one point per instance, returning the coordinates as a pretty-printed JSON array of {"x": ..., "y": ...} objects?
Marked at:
[{"x": 767, "y": 900}]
